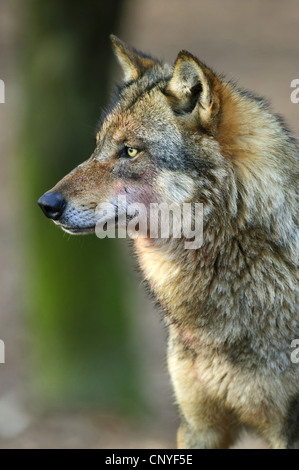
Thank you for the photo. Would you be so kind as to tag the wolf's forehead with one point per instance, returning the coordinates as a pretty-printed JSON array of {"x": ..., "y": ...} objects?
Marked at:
[
  {"x": 147, "y": 120},
  {"x": 137, "y": 99}
]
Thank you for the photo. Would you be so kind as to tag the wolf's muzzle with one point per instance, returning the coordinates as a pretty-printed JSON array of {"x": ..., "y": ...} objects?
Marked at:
[{"x": 52, "y": 205}]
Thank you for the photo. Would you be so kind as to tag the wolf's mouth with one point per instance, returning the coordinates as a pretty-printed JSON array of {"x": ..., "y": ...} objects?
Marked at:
[
  {"x": 68, "y": 227},
  {"x": 76, "y": 230}
]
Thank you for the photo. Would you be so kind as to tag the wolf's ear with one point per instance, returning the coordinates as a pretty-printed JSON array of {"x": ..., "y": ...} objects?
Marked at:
[
  {"x": 133, "y": 63},
  {"x": 191, "y": 86}
]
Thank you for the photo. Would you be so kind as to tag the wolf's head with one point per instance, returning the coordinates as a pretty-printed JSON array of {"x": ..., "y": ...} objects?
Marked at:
[
  {"x": 173, "y": 133},
  {"x": 156, "y": 143}
]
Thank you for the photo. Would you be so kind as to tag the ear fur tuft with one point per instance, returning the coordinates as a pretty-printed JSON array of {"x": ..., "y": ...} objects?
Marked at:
[
  {"x": 191, "y": 86},
  {"x": 133, "y": 63}
]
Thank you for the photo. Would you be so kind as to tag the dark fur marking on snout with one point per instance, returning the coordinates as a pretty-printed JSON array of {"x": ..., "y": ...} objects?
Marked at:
[{"x": 125, "y": 172}]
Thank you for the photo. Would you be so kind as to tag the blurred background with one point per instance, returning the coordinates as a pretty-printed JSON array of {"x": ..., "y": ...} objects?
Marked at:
[{"x": 85, "y": 350}]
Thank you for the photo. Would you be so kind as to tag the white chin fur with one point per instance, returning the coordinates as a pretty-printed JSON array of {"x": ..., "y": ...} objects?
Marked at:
[{"x": 77, "y": 222}]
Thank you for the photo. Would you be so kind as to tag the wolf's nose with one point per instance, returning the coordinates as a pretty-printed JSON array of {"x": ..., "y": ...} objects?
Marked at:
[{"x": 52, "y": 205}]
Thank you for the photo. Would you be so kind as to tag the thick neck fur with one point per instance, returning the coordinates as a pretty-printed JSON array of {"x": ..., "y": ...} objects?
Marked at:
[
  {"x": 192, "y": 285},
  {"x": 264, "y": 159},
  {"x": 225, "y": 293}
]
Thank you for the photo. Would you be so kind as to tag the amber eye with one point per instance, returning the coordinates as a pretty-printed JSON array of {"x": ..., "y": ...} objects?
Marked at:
[{"x": 131, "y": 152}]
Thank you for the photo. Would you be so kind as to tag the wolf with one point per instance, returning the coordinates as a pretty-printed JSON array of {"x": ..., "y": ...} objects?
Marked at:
[{"x": 185, "y": 134}]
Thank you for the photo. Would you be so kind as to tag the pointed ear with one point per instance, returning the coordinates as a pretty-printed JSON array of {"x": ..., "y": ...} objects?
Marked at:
[
  {"x": 133, "y": 63},
  {"x": 191, "y": 86}
]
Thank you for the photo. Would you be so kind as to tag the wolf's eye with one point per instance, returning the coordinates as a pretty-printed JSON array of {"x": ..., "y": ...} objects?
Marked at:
[
  {"x": 131, "y": 152},
  {"x": 128, "y": 152}
]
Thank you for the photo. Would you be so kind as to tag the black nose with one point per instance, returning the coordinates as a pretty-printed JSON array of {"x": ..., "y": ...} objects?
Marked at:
[{"x": 52, "y": 205}]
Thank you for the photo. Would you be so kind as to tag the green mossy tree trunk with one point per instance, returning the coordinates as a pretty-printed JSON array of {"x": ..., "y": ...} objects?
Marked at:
[{"x": 76, "y": 294}]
